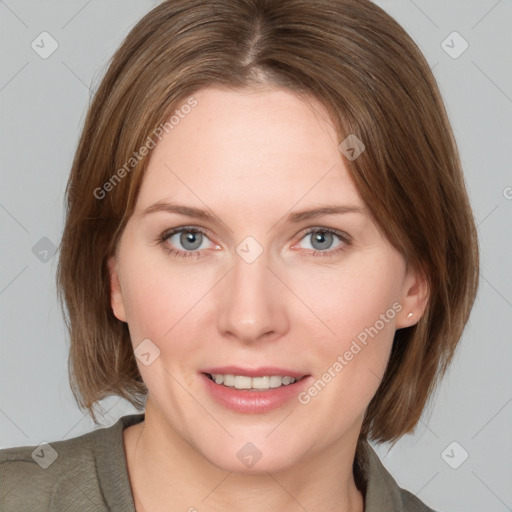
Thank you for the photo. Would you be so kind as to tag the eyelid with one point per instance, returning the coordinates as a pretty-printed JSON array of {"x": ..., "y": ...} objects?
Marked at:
[
  {"x": 172, "y": 231},
  {"x": 342, "y": 234}
]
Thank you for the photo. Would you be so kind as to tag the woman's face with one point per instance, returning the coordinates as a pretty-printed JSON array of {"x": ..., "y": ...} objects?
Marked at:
[{"x": 239, "y": 293}]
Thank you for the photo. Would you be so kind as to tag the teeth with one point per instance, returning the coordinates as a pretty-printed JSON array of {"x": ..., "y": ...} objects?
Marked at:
[
  {"x": 245, "y": 382},
  {"x": 275, "y": 381}
]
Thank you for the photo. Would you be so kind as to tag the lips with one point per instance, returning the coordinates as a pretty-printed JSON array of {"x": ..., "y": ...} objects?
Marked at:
[
  {"x": 258, "y": 399},
  {"x": 254, "y": 401}
]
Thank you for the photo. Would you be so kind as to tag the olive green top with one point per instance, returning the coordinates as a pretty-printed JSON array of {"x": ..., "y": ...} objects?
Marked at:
[{"x": 89, "y": 473}]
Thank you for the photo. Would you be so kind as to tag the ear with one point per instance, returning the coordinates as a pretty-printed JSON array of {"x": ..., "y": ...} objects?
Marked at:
[
  {"x": 116, "y": 294},
  {"x": 415, "y": 296}
]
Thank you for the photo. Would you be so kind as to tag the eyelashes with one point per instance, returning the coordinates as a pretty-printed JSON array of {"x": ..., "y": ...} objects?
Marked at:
[
  {"x": 163, "y": 240},
  {"x": 343, "y": 237},
  {"x": 179, "y": 253}
]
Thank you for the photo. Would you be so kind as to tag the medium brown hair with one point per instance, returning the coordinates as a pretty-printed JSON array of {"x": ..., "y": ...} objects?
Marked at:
[{"x": 374, "y": 82}]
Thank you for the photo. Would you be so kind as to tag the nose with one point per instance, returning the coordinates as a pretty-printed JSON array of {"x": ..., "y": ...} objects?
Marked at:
[{"x": 251, "y": 305}]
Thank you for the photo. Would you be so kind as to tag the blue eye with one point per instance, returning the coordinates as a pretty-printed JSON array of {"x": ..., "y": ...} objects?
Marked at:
[
  {"x": 191, "y": 239},
  {"x": 324, "y": 238}
]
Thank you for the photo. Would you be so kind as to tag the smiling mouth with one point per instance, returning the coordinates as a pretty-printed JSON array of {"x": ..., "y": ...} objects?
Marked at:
[{"x": 244, "y": 382}]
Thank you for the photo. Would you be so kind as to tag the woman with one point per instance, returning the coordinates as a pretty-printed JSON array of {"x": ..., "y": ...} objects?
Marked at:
[{"x": 269, "y": 250}]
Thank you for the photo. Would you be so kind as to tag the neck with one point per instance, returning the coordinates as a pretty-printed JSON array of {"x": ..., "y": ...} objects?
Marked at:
[{"x": 164, "y": 469}]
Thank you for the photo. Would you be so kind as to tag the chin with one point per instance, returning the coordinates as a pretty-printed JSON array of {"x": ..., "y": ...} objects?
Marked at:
[{"x": 250, "y": 454}]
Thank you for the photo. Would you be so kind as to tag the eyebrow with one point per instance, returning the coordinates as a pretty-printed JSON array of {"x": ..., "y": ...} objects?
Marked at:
[{"x": 294, "y": 217}]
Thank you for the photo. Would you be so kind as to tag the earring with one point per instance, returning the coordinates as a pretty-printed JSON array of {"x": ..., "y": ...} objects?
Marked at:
[{"x": 409, "y": 316}]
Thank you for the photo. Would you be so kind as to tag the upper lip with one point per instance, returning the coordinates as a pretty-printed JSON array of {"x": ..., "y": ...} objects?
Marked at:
[{"x": 262, "y": 371}]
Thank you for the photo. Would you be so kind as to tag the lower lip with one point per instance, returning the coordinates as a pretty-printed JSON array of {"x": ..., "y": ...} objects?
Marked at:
[{"x": 254, "y": 402}]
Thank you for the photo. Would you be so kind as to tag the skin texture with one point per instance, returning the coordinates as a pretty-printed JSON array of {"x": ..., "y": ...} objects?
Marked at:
[{"x": 252, "y": 157}]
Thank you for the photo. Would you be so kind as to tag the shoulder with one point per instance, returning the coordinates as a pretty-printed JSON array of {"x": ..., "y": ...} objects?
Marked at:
[
  {"x": 61, "y": 475},
  {"x": 412, "y": 503},
  {"x": 383, "y": 494},
  {"x": 32, "y": 476}
]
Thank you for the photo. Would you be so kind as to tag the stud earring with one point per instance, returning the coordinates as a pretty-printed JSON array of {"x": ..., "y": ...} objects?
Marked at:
[{"x": 409, "y": 316}]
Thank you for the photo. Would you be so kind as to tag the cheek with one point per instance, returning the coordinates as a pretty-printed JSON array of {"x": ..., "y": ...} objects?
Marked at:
[
  {"x": 163, "y": 303},
  {"x": 358, "y": 305},
  {"x": 361, "y": 293},
  {"x": 348, "y": 368},
  {"x": 146, "y": 300},
  {"x": 152, "y": 293}
]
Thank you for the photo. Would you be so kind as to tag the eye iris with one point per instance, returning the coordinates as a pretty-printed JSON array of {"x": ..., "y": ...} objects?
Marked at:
[
  {"x": 320, "y": 236},
  {"x": 192, "y": 237}
]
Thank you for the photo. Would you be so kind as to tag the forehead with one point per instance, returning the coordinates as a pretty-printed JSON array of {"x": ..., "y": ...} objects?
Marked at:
[{"x": 251, "y": 146}]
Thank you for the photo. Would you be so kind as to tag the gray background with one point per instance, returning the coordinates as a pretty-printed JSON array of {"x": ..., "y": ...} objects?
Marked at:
[{"x": 42, "y": 108}]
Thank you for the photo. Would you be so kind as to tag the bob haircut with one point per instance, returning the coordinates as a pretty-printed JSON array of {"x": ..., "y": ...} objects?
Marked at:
[{"x": 374, "y": 82}]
